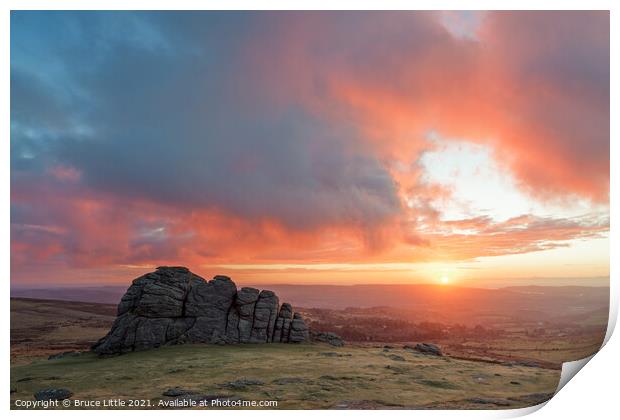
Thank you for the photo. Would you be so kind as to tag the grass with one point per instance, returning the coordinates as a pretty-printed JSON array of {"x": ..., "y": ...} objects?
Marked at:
[
  {"x": 297, "y": 376},
  {"x": 40, "y": 327},
  {"x": 555, "y": 350}
]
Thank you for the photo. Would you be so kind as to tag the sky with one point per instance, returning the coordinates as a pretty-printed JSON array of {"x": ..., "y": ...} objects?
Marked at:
[{"x": 310, "y": 147}]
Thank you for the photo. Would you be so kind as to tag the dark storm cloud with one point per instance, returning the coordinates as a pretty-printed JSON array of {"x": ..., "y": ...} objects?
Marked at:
[{"x": 164, "y": 107}]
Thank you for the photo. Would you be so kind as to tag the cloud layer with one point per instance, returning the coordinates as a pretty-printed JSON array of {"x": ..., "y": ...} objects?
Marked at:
[{"x": 246, "y": 137}]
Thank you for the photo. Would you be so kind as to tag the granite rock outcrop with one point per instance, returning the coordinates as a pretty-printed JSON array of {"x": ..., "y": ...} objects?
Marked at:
[{"x": 173, "y": 306}]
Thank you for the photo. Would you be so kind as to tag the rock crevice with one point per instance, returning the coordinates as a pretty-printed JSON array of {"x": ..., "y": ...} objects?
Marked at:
[{"x": 173, "y": 306}]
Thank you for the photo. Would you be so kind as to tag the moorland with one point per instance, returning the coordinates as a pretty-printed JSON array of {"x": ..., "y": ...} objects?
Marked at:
[{"x": 500, "y": 350}]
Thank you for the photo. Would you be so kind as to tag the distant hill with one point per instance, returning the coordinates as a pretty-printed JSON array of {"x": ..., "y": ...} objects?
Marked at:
[
  {"x": 441, "y": 303},
  {"x": 94, "y": 294}
]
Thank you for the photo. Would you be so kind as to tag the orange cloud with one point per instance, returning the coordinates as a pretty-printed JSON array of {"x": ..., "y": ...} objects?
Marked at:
[
  {"x": 534, "y": 86},
  {"x": 88, "y": 231}
]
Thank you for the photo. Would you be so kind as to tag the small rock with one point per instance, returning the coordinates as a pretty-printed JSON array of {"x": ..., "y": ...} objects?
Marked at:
[
  {"x": 56, "y": 394},
  {"x": 396, "y": 357},
  {"x": 428, "y": 348},
  {"x": 25, "y": 379},
  {"x": 64, "y": 354},
  {"x": 241, "y": 383},
  {"x": 327, "y": 337},
  {"x": 177, "y": 392},
  {"x": 515, "y": 383}
]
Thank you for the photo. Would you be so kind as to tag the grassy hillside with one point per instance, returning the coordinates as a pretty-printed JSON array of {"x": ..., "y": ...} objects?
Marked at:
[
  {"x": 297, "y": 376},
  {"x": 44, "y": 327}
]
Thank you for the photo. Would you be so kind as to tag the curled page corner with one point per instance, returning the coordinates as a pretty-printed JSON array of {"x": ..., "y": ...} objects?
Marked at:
[
  {"x": 613, "y": 312},
  {"x": 570, "y": 369}
]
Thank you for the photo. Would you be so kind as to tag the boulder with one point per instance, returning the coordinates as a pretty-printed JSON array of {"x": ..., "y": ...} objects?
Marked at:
[
  {"x": 173, "y": 306},
  {"x": 265, "y": 313},
  {"x": 209, "y": 303},
  {"x": 283, "y": 323},
  {"x": 241, "y": 316},
  {"x": 298, "y": 330}
]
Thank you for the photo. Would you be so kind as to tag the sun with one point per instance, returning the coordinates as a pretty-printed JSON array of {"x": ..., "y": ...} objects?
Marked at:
[{"x": 444, "y": 280}]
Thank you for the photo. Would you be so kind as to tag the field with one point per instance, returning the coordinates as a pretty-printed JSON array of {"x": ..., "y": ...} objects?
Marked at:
[
  {"x": 518, "y": 368},
  {"x": 44, "y": 327},
  {"x": 297, "y": 376}
]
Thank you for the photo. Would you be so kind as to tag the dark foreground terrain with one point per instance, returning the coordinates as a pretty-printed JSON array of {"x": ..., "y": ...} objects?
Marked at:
[{"x": 489, "y": 367}]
